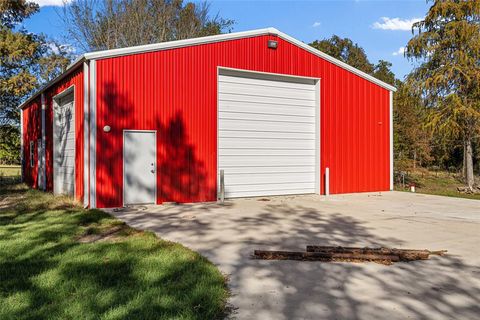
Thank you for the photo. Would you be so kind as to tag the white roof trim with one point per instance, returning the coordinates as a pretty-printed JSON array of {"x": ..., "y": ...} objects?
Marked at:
[
  {"x": 77, "y": 62},
  {"x": 205, "y": 40},
  {"x": 178, "y": 43}
]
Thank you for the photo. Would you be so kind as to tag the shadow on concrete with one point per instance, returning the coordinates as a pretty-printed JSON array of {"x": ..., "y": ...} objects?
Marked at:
[{"x": 443, "y": 287}]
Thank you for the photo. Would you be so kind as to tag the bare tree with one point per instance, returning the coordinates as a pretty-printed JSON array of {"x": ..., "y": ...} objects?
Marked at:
[{"x": 110, "y": 24}]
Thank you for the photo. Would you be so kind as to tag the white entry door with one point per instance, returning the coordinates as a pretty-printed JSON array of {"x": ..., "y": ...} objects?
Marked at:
[{"x": 139, "y": 167}]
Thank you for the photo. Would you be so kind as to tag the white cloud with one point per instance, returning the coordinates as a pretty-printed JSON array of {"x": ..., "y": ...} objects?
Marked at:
[
  {"x": 387, "y": 23},
  {"x": 66, "y": 48},
  {"x": 316, "y": 24},
  {"x": 400, "y": 51},
  {"x": 56, "y": 3}
]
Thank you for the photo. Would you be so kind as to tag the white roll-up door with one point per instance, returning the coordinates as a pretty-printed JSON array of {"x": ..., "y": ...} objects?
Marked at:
[
  {"x": 64, "y": 145},
  {"x": 267, "y": 135}
]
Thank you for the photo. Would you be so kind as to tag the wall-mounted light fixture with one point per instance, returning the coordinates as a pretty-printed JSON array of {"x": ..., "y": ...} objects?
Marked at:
[
  {"x": 272, "y": 44},
  {"x": 107, "y": 129}
]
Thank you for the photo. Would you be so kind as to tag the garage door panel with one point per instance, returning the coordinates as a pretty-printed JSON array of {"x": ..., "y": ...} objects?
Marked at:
[
  {"x": 65, "y": 172},
  {"x": 239, "y": 115},
  {"x": 266, "y": 81},
  {"x": 250, "y": 170},
  {"x": 266, "y": 108},
  {"x": 272, "y": 187},
  {"x": 254, "y": 134},
  {"x": 260, "y": 193},
  {"x": 260, "y": 143},
  {"x": 265, "y": 100},
  {"x": 266, "y": 125},
  {"x": 267, "y": 91},
  {"x": 261, "y": 152},
  {"x": 267, "y": 135},
  {"x": 63, "y": 160},
  {"x": 265, "y": 161},
  {"x": 272, "y": 178},
  {"x": 67, "y": 145}
]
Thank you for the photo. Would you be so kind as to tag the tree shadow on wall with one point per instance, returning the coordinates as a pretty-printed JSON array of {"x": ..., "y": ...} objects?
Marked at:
[{"x": 181, "y": 172}]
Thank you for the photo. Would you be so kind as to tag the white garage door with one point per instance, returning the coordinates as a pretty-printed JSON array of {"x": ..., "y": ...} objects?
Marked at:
[
  {"x": 64, "y": 145},
  {"x": 267, "y": 134}
]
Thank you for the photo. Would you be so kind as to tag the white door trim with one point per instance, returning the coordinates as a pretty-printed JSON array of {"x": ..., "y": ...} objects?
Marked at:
[
  {"x": 92, "y": 118},
  {"x": 123, "y": 161},
  {"x": 42, "y": 156},
  {"x": 55, "y": 99},
  {"x": 86, "y": 138},
  {"x": 317, "y": 116}
]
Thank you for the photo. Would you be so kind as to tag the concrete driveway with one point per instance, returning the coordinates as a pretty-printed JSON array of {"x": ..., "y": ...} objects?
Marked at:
[{"x": 441, "y": 288}]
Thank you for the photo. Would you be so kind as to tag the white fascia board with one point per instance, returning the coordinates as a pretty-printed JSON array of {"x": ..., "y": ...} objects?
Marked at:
[
  {"x": 178, "y": 43},
  {"x": 231, "y": 36},
  {"x": 73, "y": 65}
]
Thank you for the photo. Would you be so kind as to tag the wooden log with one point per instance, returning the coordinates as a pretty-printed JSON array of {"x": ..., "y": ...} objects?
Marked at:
[
  {"x": 321, "y": 256},
  {"x": 403, "y": 254}
]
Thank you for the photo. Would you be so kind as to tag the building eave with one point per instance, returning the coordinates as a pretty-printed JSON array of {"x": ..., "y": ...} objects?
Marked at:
[{"x": 72, "y": 66}]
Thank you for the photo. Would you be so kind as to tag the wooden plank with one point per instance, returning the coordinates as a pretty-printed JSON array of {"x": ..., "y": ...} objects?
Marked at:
[
  {"x": 322, "y": 256},
  {"x": 403, "y": 254}
]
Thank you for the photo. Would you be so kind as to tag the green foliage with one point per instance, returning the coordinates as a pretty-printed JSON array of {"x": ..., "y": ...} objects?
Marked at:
[
  {"x": 9, "y": 144},
  {"x": 447, "y": 45},
  {"x": 47, "y": 273},
  {"x": 345, "y": 50},
  {"x": 15, "y": 11},
  {"x": 26, "y": 62},
  {"x": 19, "y": 51},
  {"x": 352, "y": 54},
  {"x": 382, "y": 71},
  {"x": 412, "y": 143}
]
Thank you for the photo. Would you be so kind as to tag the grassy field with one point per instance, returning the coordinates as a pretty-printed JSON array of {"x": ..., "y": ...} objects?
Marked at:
[
  {"x": 437, "y": 183},
  {"x": 9, "y": 171},
  {"x": 59, "y": 261}
]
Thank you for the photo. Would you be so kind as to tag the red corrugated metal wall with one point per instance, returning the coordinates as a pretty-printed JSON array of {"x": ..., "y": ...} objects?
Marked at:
[
  {"x": 32, "y": 127},
  {"x": 32, "y": 131},
  {"x": 175, "y": 92}
]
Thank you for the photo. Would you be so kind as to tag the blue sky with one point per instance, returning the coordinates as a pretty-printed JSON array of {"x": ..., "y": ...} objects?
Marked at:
[{"x": 381, "y": 27}]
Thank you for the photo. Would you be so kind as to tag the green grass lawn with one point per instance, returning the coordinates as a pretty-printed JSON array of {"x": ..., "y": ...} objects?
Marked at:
[
  {"x": 9, "y": 171},
  {"x": 439, "y": 183},
  {"x": 50, "y": 267}
]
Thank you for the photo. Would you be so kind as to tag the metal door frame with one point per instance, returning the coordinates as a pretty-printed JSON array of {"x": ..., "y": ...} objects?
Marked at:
[
  {"x": 55, "y": 104},
  {"x": 123, "y": 164},
  {"x": 318, "y": 114}
]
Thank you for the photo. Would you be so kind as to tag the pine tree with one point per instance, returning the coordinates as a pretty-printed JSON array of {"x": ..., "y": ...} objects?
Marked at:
[
  {"x": 26, "y": 62},
  {"x": 447, "y": 47}
]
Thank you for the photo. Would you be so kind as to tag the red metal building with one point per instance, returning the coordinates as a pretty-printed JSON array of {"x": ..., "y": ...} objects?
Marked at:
[{"x": 159, "y": 123}]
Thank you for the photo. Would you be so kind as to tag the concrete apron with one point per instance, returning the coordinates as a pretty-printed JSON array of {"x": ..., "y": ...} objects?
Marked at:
[{"x": 441, "y": 288}]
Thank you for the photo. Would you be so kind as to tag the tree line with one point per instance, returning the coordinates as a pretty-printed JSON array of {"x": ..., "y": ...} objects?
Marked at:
[{"x": 436, "y": 107}]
